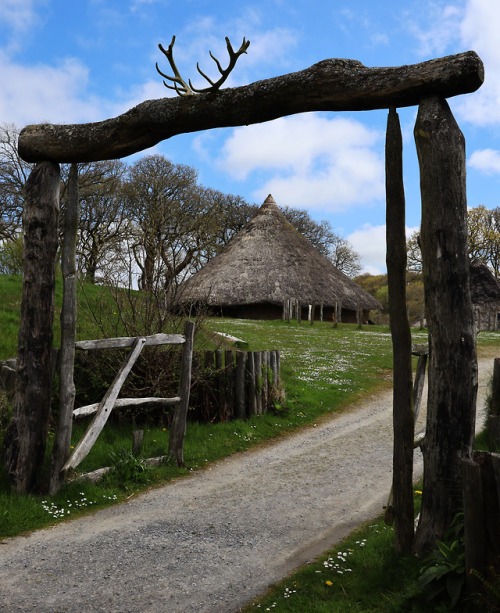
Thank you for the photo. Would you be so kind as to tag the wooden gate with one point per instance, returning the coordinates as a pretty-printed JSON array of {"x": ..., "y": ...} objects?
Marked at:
[{"x": 103, "y": 409}]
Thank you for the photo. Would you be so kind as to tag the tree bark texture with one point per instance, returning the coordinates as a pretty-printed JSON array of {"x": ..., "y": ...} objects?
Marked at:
[
  {"x": 67, "y": 391},
  {"x": 178, "y": 428},
  {"x": 24, "y": 442},
  {"x": 330, "y": 85},
  {"x": 403, "y": 420},
  {"x": 452, "y": 386}
]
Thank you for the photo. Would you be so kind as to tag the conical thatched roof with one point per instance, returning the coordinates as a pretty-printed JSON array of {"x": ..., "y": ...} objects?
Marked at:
[
  {"x": 269, "y": 261},
  {"x": 483, "y": 285}
]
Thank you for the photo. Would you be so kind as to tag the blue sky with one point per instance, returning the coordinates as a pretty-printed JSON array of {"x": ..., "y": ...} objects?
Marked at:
[{"x": 87, "y": 60}]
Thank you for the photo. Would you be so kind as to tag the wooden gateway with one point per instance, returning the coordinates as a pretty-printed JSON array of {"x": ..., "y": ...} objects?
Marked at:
[{"x": 269, "y": 262}]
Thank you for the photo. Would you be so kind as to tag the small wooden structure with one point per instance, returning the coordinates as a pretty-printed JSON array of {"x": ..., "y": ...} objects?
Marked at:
[{"x": 110, "y": 400}]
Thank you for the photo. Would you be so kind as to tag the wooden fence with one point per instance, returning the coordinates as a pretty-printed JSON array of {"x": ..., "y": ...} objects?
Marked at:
[
  {"x": 481, "y": 482},
  {"x": 234, "y": 384}
]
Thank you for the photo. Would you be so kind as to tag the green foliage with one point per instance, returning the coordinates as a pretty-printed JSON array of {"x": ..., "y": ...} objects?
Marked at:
[
  {"x": 11, "y": 256},
  {"x": 127, "y": 468},
  {"x": 489, "y": 598},
  {"x": 443, "y": 575}
]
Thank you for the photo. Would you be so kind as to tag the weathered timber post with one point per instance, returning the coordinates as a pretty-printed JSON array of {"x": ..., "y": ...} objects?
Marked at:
[
  {"x": 251, "y": 396},
  {"x": 239, "y": 386},
  {"x": 25, "y": 438},
  {"x": 178, "y": 428},
  {"x": 265, "y": 381},
  {"x": 494, "y": 416},
  {"x": 258, "y": 380},
  {"x": 452, "y": 379},
  {"x": 137, "y": 440},
  {"x": 67, "y": 391},
  {"x": 229, "y": 384},
  {"x": 401, "y": 337}
]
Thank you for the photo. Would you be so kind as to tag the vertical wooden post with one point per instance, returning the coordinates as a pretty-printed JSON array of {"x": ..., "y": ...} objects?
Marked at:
[
  {"x": 258, "y": 381},
  {"x": 229, "y": 380},
  {"x": 339, "y": 311},
  {"x": 219, "y": 383},
  {"x": 403, "y": 423},
  {"x": 452, "y": 348},
  {"x": 67, "y": 391},
  {"x": 265, "y": 381},
  {"x": 474, "y": 525},
  {"x": 178, "y": 428},
  {"x": 137, "y": 440},
  {"x": 251, "y": 396},
  {"x": 25, "y": 438},
  {"x": 239, "y": 386}
]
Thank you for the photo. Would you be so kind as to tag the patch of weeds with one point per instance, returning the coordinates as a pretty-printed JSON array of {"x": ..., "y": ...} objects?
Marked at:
[
  {"x": 126, "y": 468},
  {"x": 442, "y": 577}
]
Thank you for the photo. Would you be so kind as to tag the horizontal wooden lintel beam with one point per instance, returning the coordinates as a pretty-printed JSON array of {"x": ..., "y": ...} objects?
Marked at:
[{"x": 329, "y": 85}]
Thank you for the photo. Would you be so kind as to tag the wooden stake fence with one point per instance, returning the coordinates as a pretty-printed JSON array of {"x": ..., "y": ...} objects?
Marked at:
[{"x": 234, "y": 384}]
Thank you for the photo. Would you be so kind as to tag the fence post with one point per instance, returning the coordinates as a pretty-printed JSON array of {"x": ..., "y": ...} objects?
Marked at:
[
  {"x": 229, "y": 384},
  {"x": 251, "y": 398},
  {"x": 239, "y": 385},
  {"x": 178, "y": 428},
  {"x": 137, "y": 439}
]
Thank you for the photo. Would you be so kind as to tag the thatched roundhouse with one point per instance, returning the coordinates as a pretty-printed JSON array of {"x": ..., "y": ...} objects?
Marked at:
[
  {"x": 485, "y": 294},
  {"x": 267, "y": 262}
]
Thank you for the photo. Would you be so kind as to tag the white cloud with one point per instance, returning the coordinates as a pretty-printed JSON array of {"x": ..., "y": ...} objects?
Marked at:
[
  {"x": 308, "y": 160},
  {"x": 42, "y": 93},
  {"x": 17, "y": 14},
  {"x": 370, "y": 242},
  {"x": 442, "y": 24},
  {"x": 479, "y": 31},
  {"x": 486, "y": 161}
]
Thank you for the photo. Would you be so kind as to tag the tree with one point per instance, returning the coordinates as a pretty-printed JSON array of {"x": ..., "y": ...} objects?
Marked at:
[
  {"x": 102, "y": 222},
  {"x": 484, "y": 236},
  {"x": 166, "y": 209},
  {"x": 14, "y": 172}
]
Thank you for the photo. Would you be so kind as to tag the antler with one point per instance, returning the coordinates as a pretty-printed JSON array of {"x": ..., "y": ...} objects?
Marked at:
[
  {"x": 233, "y": 58},
  {"x": 180, "y": 86},
  {"x": 187, "y": 89}
]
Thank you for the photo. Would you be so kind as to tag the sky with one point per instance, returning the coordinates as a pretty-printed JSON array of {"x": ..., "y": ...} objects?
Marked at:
[{"x": 88, "y": 60}]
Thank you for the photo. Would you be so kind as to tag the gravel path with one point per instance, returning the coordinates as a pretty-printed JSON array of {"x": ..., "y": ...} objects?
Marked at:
[{"x": 214, "y": 541}]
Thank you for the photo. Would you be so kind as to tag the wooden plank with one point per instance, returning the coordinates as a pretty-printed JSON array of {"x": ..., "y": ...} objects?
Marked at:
[
  {"x": 128, "y": 341},
  {"x": 231, "y": 339},
  {"x": 90, "y": 409},
  {"x": 105, "y": 408}
]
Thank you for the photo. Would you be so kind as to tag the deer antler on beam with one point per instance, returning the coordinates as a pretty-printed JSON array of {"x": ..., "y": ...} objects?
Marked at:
[
  {"x": 187, "y": 89},
  {"x": 179, "y": 85}
]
